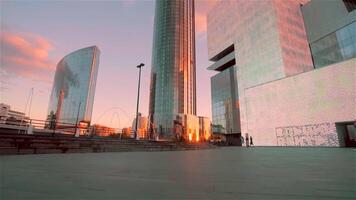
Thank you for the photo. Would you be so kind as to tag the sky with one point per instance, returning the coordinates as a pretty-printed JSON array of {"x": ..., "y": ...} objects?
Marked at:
[{"x": 35, "y": 35}]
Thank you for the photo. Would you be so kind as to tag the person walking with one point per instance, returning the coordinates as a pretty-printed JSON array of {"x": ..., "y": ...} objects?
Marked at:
[
  {"x": 247, "y": 141},
  {"x": 251, "y": 141}
]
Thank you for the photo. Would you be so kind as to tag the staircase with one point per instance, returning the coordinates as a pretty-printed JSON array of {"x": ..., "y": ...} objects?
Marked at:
[{"x": 13, "y": 143}]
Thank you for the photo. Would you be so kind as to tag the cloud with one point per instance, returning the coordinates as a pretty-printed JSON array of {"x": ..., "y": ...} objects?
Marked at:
[
  {"x": 201, "y": 11},
  {"x": 26, "y": 55}
]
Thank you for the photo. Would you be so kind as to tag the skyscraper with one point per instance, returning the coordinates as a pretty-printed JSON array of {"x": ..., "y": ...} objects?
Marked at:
[
  {"x": 74, "y": 86},
  {"x": 173, "y": 87}
]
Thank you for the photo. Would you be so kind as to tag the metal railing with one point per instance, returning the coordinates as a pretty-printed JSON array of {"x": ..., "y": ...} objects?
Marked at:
[{"x": 58, "y": 127}]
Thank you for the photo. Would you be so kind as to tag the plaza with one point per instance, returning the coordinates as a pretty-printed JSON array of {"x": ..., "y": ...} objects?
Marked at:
[{"x": 221, "y": 173}]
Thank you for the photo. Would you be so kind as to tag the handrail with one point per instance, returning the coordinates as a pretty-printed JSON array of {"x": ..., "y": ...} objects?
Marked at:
[{"x": 59, "y": 126}]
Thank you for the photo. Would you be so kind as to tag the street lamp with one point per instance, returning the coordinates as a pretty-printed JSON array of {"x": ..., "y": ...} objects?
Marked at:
[
  {"x": 76, "y": 122},
  {"x": 138, "y": 98}
]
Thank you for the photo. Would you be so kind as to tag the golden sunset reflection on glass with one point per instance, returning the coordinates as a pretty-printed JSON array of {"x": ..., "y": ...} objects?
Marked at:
[{"x": 178, "y": 99}]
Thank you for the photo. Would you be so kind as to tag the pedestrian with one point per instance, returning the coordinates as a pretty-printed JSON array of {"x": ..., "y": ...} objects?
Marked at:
[
  {"x": 247, "y": 142},
  {"x": 251, "y": 141}
]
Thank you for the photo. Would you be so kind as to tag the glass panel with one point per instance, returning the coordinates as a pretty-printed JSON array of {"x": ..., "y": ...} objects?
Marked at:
[
  {"x": 74, "y": 86},
  {"x": 224, "y": 97},
  {"x": 172, "y": 88},
  {"x": 335, "y": 47}
]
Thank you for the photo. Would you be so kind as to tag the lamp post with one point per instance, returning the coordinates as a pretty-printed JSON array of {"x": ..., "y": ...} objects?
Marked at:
[
  {"x": 76, "y": 122},
  {"x": 138, "y": 98}
]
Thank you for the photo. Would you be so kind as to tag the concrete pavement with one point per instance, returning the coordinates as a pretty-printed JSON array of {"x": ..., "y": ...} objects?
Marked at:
[{"x": 223, "y": 173}]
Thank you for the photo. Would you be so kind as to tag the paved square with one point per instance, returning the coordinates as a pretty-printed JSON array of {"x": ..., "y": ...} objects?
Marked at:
[{"x": 224, "y": 173}]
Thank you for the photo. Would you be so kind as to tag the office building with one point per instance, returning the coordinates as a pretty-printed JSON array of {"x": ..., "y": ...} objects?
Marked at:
[
  {"x": 266, "y": 51},
  {"x": 141, "y": 126},
  {"x": 9, "y": 116},
  {"x": 204, "y": 128},
  {"x": 74, "y": 84},
  {"x": 127, "y": 132},
  {"x": 173, "y": 87},
  {"x": 224, "y": 97},
  {"x": 275, "y": 46},
  {"x": 101, "y": 130},
  {"x": 187, "y": 128}
]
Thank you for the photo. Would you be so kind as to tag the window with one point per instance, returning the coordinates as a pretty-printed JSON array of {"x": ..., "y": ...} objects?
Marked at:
[
  {"x": 335, "y": 47},
  {"x": 350, "y": 5}
]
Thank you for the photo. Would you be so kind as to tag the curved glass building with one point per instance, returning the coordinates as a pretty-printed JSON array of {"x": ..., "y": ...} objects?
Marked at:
[
  {"x": 173, "y": 87},
  {"x": 74, "y": 86}
]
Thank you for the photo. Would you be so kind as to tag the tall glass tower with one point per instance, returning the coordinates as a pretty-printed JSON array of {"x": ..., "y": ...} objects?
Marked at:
[
  {"x": 173, "y": 87},
  {"x": 74, "y": 86}
]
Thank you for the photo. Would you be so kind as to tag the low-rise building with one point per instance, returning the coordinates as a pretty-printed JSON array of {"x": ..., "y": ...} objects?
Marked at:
[
  {"x": 8, "y": 116},
  {"x": 100, "y": 130},
  {"x": 187, "y": 128},
  {"x": 141, "y": 126},
  {"x": 127, "y": 132}
]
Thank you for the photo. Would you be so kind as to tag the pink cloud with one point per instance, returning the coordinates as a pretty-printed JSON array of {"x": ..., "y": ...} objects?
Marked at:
[
  {"x": 26, "y": 55},
  {"x": 201, "y": 11}
]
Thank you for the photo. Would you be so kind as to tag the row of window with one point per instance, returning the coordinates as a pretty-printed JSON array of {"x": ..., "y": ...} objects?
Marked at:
[
  {"x": 335, "y": 47},
  {"x": 72, "y": 79}
]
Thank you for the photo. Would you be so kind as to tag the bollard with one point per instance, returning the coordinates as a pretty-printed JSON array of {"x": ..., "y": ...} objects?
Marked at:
[{"x": 77, "y": 131}]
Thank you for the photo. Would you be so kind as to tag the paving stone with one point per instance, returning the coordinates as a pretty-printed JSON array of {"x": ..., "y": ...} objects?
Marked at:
[{"x": 222, "y": 173}]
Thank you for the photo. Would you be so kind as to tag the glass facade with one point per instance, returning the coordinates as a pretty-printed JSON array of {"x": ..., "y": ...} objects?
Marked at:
[
  {"x": 335, "y": 47},
  {"x": 172, "y": 89},
  {"x": 225, "y": 104},
  {"x": 269, "y": 39},
  {"x": 74, "y": 86},
  {"x": 350, "y": 5}
]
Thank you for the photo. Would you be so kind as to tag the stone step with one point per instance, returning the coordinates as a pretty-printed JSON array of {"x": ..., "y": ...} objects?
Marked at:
[
  {"x": 8, "y": 150},
  {"x": 28, "y": 144},
  {"x": 7, "y": 144}
]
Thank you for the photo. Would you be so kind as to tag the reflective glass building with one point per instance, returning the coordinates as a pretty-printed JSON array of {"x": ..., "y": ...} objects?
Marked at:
[
  {"x": 225, "y": 104},
  {"x": 173, "y": 87},
  {"x": 74, "y": 86}
]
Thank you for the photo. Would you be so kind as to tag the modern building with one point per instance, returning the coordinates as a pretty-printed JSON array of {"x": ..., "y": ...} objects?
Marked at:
[
  {"x": 204, "y": 128},
  {"x": 141, "y": 126},
  {"x": 225, "y": 102},
  {"x": 173, "y": 87},
  {"x": 189, "y": 128},
  {"x": 74, "y": 84},
  {"x": 192, "y": 128},
  {"x": 127, "y": 132},
  {"x": 265, "y": 52},
  {"x": 100, "y": 130},
  {"x": 8, "y": 116},
  {"x": 295, "y": 67}
]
